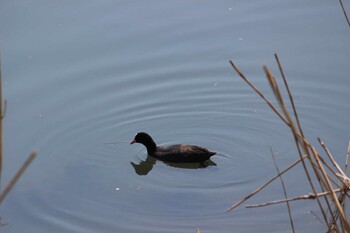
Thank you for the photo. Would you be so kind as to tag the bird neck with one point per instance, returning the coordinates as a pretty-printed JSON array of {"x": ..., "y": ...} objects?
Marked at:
[{"x": 151, "y": 147}]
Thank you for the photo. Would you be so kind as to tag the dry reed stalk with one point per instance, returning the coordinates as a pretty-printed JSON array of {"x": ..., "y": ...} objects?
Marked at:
[
  {"x": 310, "y": 196},
  {"x": 266, "y": 100},
  {"x": 3, "y": 109},
  {"x": 344, "y": 12},
  {"x": 258, "y": 92},
  {"x": 15, "y": 178},
  {"x": 291, "y": 99},
  {"x": 333, "y": 194},
  {"x": 335, "y": 174},
  {"x": 347, "y": 158},
  {"x": 322, "y": 182},
  {"x": 12, "y": 182},
  {"x": 289, "y": 94},
  {"x": 346, "y": 172},
  {"x": 284, "y": 190},
  {"x": 335, "y": 205},
  {"x": 238, "y": 203},
  {"x": 1, "y": 125},
  {"x": 286, "y": 119},
  {"x": 296, "y": 116},
  {"x": 301, "y": 145},
  {"x": 335, "y": 164}
]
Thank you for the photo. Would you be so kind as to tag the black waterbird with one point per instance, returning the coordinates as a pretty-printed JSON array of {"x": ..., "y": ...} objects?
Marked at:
[{"x": 178, "y": 153}]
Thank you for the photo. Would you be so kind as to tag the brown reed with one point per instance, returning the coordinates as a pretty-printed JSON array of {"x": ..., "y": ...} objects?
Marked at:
[
  {"x": 284, "y": 189},
  {"x": 344, "y": 12},
  {"x": 15, "y": 178},
  {"x": 19, "y": 173},
  {"x": 1, "y": 119},
  {"x": 329, "y": 183}
]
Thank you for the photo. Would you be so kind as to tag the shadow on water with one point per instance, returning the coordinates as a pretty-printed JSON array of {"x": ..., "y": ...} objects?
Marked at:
[{"x": 145, "y": 166}]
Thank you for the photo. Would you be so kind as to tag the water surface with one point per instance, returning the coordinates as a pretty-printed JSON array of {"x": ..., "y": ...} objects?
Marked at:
[{"x": 79, "y": 74}]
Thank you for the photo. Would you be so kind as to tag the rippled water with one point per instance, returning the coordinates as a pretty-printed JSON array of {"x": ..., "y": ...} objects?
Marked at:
[{"x": 80, "y": 74}]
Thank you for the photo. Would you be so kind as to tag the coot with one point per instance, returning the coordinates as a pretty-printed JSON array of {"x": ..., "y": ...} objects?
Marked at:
[{"x": 179, "y": 153}]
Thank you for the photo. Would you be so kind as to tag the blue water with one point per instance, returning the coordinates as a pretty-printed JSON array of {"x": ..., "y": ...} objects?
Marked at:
[{"x": 80, "y": 74}]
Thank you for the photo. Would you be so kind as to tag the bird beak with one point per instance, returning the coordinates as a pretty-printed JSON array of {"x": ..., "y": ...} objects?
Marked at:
[{"x": 133, "y": 141}]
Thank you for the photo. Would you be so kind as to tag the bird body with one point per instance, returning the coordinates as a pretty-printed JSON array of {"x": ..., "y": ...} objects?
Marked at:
[{"x": 178, "y": 153}]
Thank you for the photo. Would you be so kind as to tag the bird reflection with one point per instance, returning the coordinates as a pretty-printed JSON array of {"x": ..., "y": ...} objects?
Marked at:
[{"x": 145, "y": 166}]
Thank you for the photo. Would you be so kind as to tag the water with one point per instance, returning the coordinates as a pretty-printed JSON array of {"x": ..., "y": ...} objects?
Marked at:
[{"x": 79, "y": 74}]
